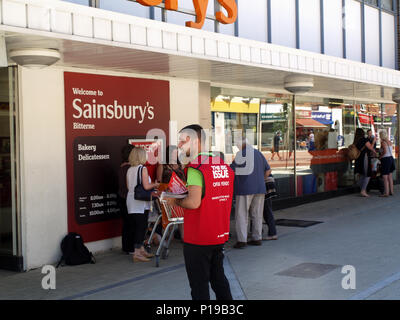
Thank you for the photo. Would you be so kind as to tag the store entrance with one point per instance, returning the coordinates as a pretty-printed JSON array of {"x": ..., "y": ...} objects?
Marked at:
[{"x": 9, "y": 248}]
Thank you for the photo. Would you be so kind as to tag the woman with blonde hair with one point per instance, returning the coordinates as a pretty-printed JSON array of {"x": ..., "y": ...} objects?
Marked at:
[
  {"x": 387, "y": 163},
  {"x": 138, "y": 210}
]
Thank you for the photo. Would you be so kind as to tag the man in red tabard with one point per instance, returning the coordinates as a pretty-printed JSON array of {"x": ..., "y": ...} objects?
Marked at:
[{"x": 207, "y": 215}]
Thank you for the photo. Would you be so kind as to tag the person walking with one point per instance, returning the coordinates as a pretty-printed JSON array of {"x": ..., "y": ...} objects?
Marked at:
[
  {"x": 127, "y": 237},
  {"x": 311, "y": 141},
  {"x": 251, "y": 170},
  {"x": 387, "y": 163},
  {"x": 207, "y": 210},
  {"x": 363, "y": 162},
  {"x": 277, "y": 141},
  {"x": 138, "y": 210}
]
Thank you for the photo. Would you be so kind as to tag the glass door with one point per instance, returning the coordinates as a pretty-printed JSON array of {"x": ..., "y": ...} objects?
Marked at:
[
  {"x": 277, "y": 140},
  {"x": 9, "y": 223}
]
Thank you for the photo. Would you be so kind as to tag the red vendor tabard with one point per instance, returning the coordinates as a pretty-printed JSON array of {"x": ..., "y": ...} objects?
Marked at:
[{"x": 102, "y": 115}]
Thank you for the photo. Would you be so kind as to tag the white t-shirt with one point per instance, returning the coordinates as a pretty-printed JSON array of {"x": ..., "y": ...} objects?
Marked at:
[
  {"x": 389, "y": 151},
  {"x": 133, "y": 205}
]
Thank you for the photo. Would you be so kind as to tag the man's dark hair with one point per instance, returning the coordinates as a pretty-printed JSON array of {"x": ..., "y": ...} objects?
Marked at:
[
  {"x": 199, "y": 131},
  {"x": 125, "y": 152}
]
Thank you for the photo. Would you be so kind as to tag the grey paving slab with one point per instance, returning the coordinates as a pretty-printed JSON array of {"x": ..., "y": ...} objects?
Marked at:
[
  {"x": 308, "y": 270},
  {"x": 361, "y": 234},
  {"x": 391, "y": 292},
  {"x": 355, "y": 231}
]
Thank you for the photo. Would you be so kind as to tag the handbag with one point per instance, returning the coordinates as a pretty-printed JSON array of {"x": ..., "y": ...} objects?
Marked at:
[
  {"x": 271, "y": 188},
  {"x": 353, "y": 152},
  {"x": 140, "y": 192}
]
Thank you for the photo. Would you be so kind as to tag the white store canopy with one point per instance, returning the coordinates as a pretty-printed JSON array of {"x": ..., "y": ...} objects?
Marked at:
[{"x": 97, "y": 39}]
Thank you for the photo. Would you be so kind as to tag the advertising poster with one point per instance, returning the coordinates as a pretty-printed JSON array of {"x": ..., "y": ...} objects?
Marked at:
[{"x": 102, "y": 115}]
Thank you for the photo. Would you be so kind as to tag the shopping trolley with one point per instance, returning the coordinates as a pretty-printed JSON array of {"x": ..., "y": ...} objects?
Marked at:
[{"x": 174, "y": 216}]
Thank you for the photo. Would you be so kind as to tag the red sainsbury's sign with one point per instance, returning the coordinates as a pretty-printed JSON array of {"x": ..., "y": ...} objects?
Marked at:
[{"x": 200, "y": 6}]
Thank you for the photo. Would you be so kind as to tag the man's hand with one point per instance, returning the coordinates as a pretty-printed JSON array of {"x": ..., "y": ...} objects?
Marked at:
[{"x": 192, "y": 201}]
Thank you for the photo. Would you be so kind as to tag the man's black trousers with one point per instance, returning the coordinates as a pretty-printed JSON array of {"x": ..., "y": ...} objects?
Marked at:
[{"x": 204, "y": 265}]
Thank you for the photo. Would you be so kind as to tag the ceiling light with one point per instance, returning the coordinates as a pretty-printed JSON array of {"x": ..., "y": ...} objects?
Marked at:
[
  {"x": 298, "y": 84},
  {"x": 34, "y": 58}
]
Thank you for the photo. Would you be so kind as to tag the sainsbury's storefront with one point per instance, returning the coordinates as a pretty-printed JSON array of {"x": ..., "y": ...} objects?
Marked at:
[{"x": 119, "y": 76}]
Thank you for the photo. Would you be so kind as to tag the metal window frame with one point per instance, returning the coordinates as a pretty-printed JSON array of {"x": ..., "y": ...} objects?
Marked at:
[
  {"x": 344, "y": 36},
  {"x": 392, "y": 11},
  {"x": 322, "y": 25},
  {"x": 362, "y": 31},
  {"x": 269, "y": 22},
  {"x": 237, "y": 20},
  {"x": 380, "y": 34},
  {"x": 396, "y": 35},
  {"x": 217, "y": 7},
  {"x": 15, "y": 160},
  {"x": 371, "y": 4},
  {"x": 297, "y": 22}
]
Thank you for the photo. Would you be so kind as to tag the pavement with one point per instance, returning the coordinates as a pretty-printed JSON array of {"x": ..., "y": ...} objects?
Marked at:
[{"x": 304, "y": 263}]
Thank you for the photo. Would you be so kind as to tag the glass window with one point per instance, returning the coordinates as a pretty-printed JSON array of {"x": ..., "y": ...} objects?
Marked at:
[
  {"x": 324, "y": 127},
  {"x": 227, "y": 123},
  {"x": 180, "y": 18},
  {"x": 346, "y": 130},
  {"x": 395, "y": 134},
  {"x": 387, "y": 4},
  {"x": 268, "y": 119},
  {"x": 277, "y": 140},
  {"x": 84, "y": 2},
  {"x": 7, "y": 167},
  {"x": 323, "y": 131},
  {"x": 372, "y": 2},
  {"x": 348, "y": 127},
  {"x": 228, "y": 29},
  {"x": 248, "y": 14},
  {"x": 385, "y": 119},
  {"x": 127, "y": 7},
  {"x": 188, "y": 5}
]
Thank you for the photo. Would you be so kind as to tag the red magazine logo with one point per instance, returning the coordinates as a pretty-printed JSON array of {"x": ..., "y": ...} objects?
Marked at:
[{"x": 176, "y": 185}]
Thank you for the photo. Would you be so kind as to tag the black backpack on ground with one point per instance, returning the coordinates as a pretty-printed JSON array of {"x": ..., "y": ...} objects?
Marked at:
[{"x": 74, "y": 252}]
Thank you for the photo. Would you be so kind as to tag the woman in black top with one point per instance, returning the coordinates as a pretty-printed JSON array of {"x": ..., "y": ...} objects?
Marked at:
[
  {"x": 363, "y": 162},
  {"x": 127, "y": 237}
]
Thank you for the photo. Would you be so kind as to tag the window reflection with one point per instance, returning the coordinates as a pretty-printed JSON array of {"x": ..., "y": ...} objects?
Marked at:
[
  {"x": 373, "y": 2},
  {"x": 124, "y": 6},
  {"x": 323, "y": 130},
  {"x": 83, "y": 2},
  {"x": 387, "y": 4},
  {"x": 6, "y": 230}
]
